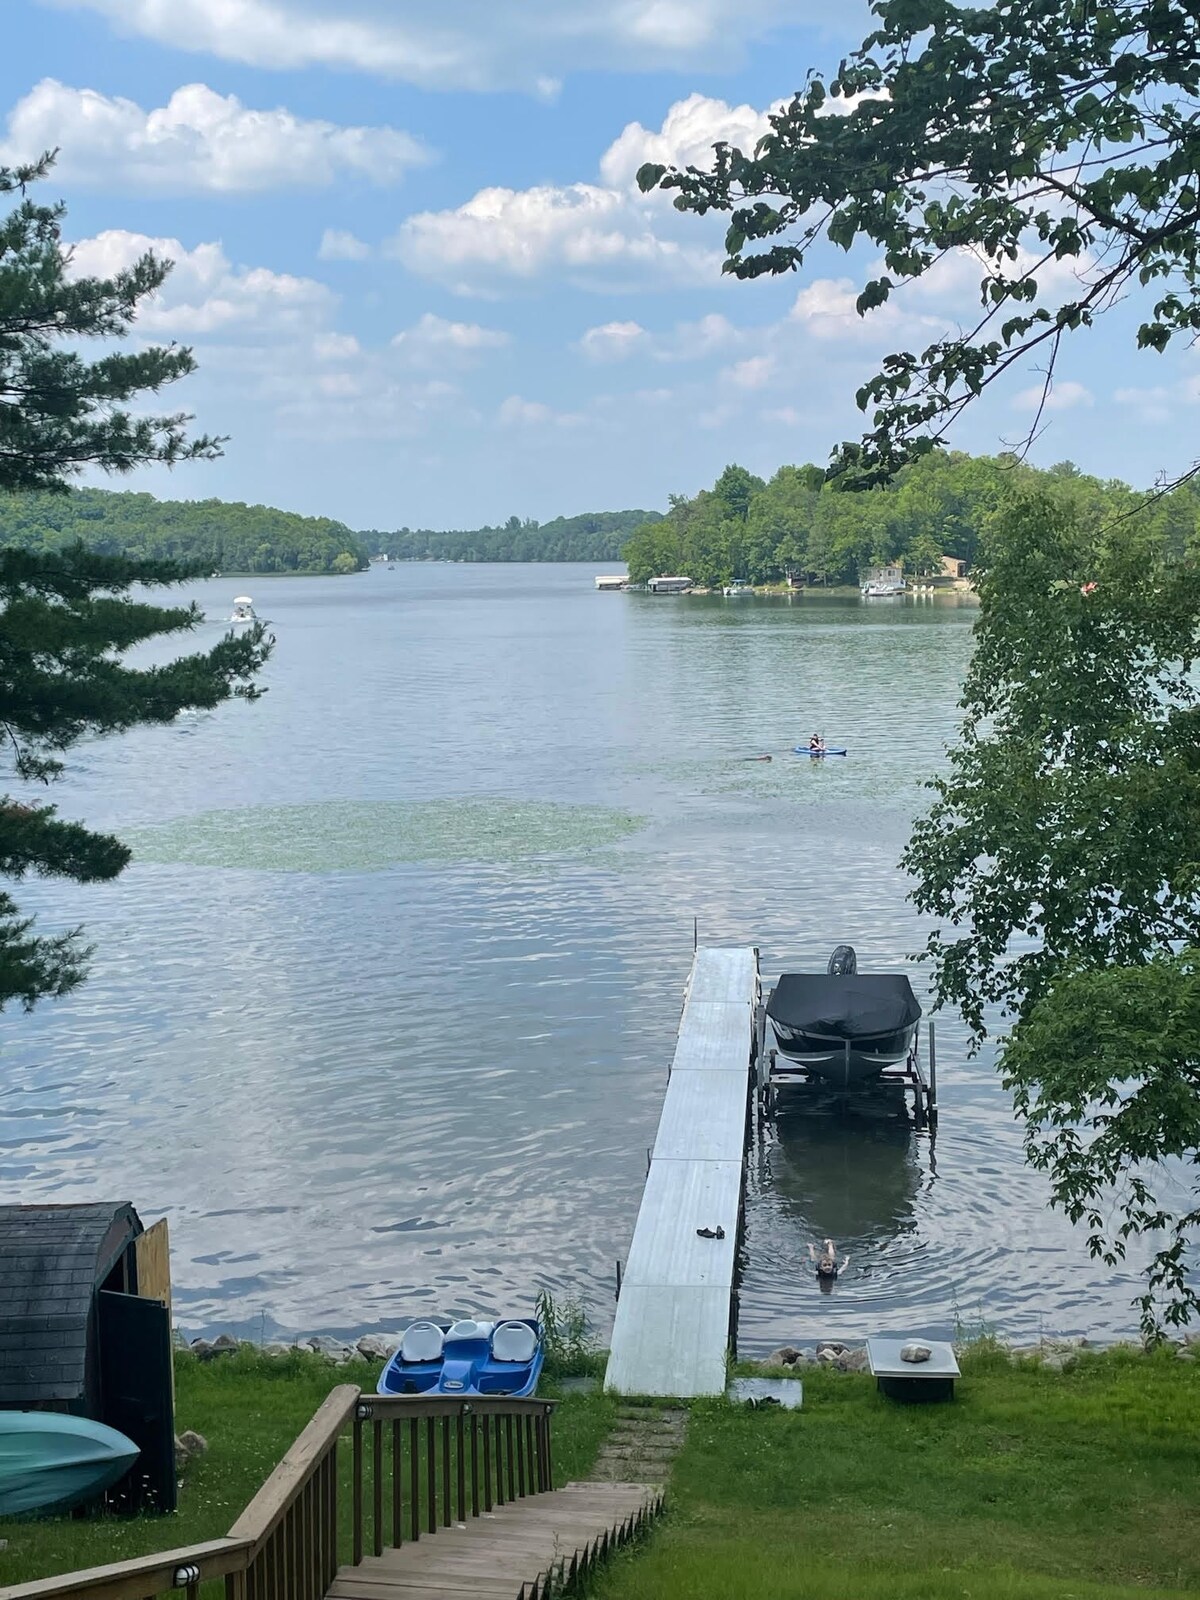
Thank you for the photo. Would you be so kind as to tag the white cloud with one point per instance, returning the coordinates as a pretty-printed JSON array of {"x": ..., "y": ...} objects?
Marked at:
[
  {"x": 200, "y": 141},
  {"x": 205, "y": 293},
  {"x": 1158, "y": 404},
  {"x": 612, "y": 341},
  {"x": 459, "y": 43},
  {"x": 516, "y": 412},
  {"x": 785, "y": 416},
  {"x": 336, "y": 346},
  {"x": 753, "y": 373},
  {"x": 434, "y": 339},
  {"x": 1063, "y": 396},
  {"x": 339, "y": 245},
  {"x": 826, "y": 309},
  {"x": 689, "y": 130},
  {"x": 598, "y": 237}
]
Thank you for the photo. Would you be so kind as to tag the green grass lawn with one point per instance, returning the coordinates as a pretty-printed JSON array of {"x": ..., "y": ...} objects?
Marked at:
[
  {"x": 1032, "y": 1483},
  {"x": 249, "y": 1408}
]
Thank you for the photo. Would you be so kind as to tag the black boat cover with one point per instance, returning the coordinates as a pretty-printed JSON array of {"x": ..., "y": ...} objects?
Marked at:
[{"x": 858, "y": 1007}]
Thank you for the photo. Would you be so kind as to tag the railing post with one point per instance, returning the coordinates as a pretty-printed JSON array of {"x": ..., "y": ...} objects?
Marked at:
[
  {"x": 460, "y": 1447},
  {"x": 357, "y": 1519},
  {"x": 414, "y": 1475},
  {"x": 447, "y": 1516},
  {"x": 487, "y": 1464},
  {"x": 431, "y": 1473},
  {"x": 397, "y": 1485},
  {"x": 377, "y": 1484}
]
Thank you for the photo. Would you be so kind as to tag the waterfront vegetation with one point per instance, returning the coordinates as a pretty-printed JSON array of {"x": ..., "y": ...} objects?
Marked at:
[
  {"x": 1033, "y": 1485},
  {"x": 802, "y": 525},
  {"x": 216, "y": 535},
  {"x": 591, "y": 536}
]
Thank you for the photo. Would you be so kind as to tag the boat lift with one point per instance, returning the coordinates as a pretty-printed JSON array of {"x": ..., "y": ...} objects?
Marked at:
[{"x": 914, "y": 1076}]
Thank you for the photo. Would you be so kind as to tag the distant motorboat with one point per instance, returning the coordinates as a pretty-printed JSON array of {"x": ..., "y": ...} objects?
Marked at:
[
  {"x": 738, "y": 586},
  {"x": 243, "y": 610},
  {"x": 49, "y": 1459}
]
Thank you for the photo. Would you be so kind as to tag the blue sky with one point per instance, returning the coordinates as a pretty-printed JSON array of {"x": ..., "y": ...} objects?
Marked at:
[{"x": 418, "y": 278}]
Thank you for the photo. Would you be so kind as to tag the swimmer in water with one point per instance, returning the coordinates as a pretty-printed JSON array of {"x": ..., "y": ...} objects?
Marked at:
[{"x": 827, "y": 1263}]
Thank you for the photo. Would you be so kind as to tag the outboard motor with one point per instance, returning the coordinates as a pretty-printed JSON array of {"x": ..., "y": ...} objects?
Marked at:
[{"x": 843, "y": 963}]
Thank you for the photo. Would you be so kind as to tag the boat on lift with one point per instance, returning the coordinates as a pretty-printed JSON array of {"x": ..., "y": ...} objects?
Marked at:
[
  {"x": 841, "y": 1028},
  {"x": 467, "y": 1358}
]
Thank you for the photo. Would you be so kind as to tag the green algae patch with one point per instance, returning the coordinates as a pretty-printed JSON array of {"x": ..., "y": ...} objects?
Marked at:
[{"x": 368, "y": 836}]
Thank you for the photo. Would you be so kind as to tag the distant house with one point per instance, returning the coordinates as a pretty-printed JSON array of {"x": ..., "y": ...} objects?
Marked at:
[
  {"x": 883, "y": 580},
  {"x": 952, "y": 567}
]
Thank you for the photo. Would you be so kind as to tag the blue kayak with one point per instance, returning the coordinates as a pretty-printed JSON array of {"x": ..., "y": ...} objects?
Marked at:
[
  {"x": 803, "y": 750},
  {"x": 483, "y": 1358},
  {"x": 49, "y": 1459}
]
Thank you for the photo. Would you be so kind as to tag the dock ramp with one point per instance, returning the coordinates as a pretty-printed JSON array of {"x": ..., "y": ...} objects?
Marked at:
[{"x": 675, "y": 1310}]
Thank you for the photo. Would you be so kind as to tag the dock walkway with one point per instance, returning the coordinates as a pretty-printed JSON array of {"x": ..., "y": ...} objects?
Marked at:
[{"x": 675, "y": 1311}]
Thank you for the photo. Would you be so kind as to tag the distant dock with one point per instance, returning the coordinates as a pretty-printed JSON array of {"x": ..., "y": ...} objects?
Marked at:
[{"x": 675, "y": 1311}]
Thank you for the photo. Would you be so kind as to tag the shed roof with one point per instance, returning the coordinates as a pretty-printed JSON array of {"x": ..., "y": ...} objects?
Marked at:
[{"x": 52, "y": 1259}]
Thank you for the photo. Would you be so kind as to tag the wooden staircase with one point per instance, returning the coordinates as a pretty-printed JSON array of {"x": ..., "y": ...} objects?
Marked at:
[
  {"x": 520, "y": 1551},
  {"x": 448, "y": 1498}
]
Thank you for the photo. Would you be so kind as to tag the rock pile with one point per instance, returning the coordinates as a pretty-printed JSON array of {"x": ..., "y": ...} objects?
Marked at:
[
  {"x": 371, "y": 1347},
  {"x": 829, "y": 1353}
]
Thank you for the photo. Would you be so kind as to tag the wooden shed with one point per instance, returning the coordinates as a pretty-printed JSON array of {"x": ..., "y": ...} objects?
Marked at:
[{"x": 85, "y": 1327}]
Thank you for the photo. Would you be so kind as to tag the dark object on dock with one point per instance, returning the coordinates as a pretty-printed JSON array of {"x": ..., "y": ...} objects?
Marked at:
[
  {"x": 85, "y": 1329},
  {"x": 902, "y": 1379}
]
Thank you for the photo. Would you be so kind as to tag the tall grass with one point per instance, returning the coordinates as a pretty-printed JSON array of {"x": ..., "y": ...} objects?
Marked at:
[{"x": 570, "y": 1343}]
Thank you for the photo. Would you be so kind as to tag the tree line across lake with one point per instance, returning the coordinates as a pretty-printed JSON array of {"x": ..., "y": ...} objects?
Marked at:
[
  {"x": 231, "y": 536},
  {"x": 801, "y": 525},
  {"x": 239, "y": 538},
  {"x": 593, "y": 536},
  {"x": 796, "y": 524}
]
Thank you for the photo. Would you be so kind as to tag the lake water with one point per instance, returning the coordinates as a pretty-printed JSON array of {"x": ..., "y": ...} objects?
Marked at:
[{"x": 381, "y": 1014}]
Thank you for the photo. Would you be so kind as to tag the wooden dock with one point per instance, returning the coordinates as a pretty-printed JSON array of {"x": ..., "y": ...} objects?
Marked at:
[{"x": 675, "y": 1312}]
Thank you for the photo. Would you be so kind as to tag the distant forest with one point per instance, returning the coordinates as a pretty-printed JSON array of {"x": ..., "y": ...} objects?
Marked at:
[
  {"x": 231, "y": 536},
  {"x": 798, "y": 524},
  {"x": 593, "y": 536}
]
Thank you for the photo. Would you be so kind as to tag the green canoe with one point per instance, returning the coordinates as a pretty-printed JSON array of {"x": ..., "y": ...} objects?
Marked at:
[{"x": 50, "y": 1460}]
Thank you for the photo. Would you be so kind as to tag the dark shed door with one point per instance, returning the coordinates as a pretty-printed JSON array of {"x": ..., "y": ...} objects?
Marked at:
[{"x": 135, "y": 1385}]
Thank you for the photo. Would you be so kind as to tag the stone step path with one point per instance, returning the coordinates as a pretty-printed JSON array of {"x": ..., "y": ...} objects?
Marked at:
[{"x": 643, "y": 1444}]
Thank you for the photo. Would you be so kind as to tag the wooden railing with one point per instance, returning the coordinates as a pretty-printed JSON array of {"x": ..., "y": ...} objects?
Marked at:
[
  {"x": 423, "y": 1464},
  {"x": 429, "y": 1462},
  {"x": 291, "y": 1526}
]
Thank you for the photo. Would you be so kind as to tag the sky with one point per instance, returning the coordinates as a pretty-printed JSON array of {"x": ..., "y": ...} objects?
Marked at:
[{"x": 421, "y": 285}]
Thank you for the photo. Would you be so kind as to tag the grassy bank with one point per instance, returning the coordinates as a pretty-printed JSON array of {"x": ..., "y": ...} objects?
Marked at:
[
  {"x": 249, "y": 1408},
  {"x": 1032, "y": 1484}
]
